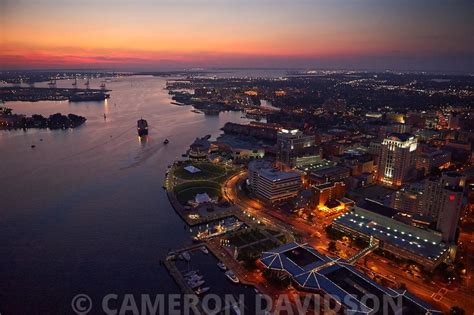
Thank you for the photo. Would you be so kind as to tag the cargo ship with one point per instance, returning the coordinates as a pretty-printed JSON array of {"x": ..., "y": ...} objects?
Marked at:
[
  {"x": 142, "y": 127},
  {"x": 88, "y": 97}
]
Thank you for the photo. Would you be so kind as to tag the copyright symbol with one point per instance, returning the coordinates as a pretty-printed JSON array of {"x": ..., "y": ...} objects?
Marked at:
[{"x": 81, "y": 304}]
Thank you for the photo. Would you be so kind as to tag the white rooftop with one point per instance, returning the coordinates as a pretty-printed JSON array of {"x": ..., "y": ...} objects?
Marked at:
[
  {"x": 202, "y": 198},
  {"x": 191, "y": 169}
]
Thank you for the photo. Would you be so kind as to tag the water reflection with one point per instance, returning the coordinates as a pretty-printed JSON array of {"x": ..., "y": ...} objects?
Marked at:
[{"x": 84, "y": 211}]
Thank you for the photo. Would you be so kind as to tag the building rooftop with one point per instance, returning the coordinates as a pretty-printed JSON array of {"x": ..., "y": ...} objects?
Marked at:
[
  {"x": 324, "y": 186},
  {"x": 294, "y": 258},
  {"x": 401, "y": 136},
  {"x": 314, "y": 271},
  {"x": 328, "y": 171},
  {"x": 275, "y": 175},
  {"x": 377, "y": 207},
  {"x": 396, "y": 233}
]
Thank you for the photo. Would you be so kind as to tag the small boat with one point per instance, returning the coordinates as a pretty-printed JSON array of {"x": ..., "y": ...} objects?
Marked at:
[
  {"x": 194, "y": 278},
  {"x": 166, "y": 141},
  {"x": 204, "y": 250},
  {"x": 33, "y": 146},
  {"x": 196, "y": 284},
  {"x": 105, "y": 116},
  {"x": 190, "y": 273},
  {"x": 186, "y": 256},
  {"x": 236, "y": 308},
  {"x": 202, "y": 290},
  {"x": 232, "y": 277},
  {"x": 221, "y": 265},
  {"x": 142, "y": 127}
]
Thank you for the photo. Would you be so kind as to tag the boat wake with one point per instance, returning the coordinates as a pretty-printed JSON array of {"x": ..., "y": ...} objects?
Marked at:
[
  {"x": 144, "y": 155},
  {"x": 112, "y": 139}
]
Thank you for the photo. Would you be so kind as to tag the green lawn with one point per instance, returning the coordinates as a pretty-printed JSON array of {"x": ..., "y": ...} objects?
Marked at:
[
  {"x": 208, "y": 171},
  {"x": 187, "y": 191}
]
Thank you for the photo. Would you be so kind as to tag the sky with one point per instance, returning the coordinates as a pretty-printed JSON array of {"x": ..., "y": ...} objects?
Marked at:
[{"x": 430, "y": 35}]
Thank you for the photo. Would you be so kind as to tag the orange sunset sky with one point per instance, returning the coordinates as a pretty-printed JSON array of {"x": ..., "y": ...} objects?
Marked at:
[{"x": 146, "y": 34}]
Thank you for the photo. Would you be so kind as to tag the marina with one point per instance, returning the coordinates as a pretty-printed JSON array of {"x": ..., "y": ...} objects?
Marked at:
[{"x": 203, "y": 274}]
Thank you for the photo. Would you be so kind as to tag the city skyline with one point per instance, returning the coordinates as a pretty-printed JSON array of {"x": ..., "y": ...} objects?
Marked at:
[{"x": 140, "y": 35}]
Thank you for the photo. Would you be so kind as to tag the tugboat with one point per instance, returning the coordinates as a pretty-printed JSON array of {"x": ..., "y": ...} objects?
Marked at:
[
  {"x": 142, "y": 127},
  {"x": 166, "y": 141}
]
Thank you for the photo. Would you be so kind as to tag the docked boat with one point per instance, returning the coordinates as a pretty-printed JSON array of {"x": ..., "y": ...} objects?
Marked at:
[
  {"x": 196, "y": 284},
  {"x": 232, "y": 277},
  {"x": 221, "y": 265},
  {"x": 190, "y": 273},
  {"x": 218, "y": 230},
  {"x": 201, "y": 290},
  {"x": 166, "y": 141},
  {"x": 142, "y": 127},
  {"x": 186, "y": 256},
  {"x": 194, "y": 278},
  {"x": 204, "y": 250},
  {"x": 236, "y": 308}
]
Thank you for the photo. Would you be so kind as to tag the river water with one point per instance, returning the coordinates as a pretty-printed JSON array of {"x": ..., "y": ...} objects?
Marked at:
[{"x": 84, "y": 211}]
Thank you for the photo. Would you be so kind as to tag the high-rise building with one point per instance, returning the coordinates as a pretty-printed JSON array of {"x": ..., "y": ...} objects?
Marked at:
[
  {"x": 397, "y": 159},
  {"x": 442, "y": 201},
  {"x": 293, "y": 144}
]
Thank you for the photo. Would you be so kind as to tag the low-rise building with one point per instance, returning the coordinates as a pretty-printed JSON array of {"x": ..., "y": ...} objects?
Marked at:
[
  {"x": 329, "y": 174},
  {"x": 374, "y": 220},
  {"x": 328, "y": 194},
  {"x": 311, "y": 271},
  {"x": 270, "y": 184},
  {"x": 431, "y": 159}
]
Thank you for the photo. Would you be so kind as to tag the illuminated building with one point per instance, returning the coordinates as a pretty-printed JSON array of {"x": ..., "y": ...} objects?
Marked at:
[
  {"x": 311, "y": 271},
  {"x": 437, "y": 158},
  {"x": 442, "y": 200},
  {"x": 372, "y": 219},
  {"x": 328, "y": 194},
  {"x": 199, "y": 150},
  {"x": 270, "y": 184},
  {"x": 292, "y": 144},
  {"x": 407, "y": 199},
  {"x": 397, "y": 159},
  {"x": 329, "y": 174}
]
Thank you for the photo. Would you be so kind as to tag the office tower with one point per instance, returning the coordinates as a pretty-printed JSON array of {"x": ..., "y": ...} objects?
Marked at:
[
  {"x": 442, "y": 200},
  {"x": 292, "y": 144},
  {"x": 397, "y": 159}
]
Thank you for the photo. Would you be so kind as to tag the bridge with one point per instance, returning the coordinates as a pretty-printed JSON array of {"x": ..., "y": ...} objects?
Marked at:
[{"x": 373, "y": 245}]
